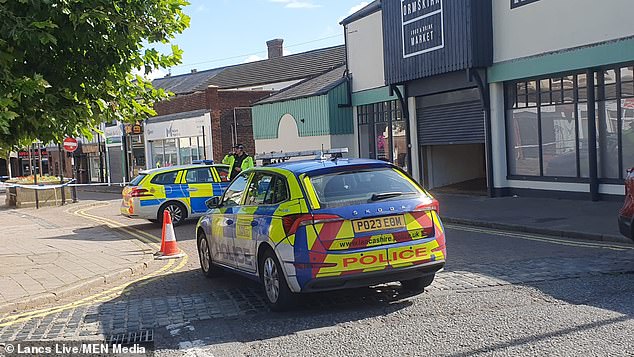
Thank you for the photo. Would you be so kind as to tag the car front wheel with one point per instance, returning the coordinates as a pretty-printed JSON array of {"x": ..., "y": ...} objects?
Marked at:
[{"x": 278, "y": 296}]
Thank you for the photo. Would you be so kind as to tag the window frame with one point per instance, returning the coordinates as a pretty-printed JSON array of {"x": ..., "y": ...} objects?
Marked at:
[
  {"x": 511, "y": 100},
  {"x": 153, "y": 180},
  {"x": 211, "y": 175},
  {"x": 274, "y": 176}
]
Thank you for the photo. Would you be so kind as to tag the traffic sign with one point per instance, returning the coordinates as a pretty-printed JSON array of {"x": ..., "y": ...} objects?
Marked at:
[{"x": 70, "y": 144}]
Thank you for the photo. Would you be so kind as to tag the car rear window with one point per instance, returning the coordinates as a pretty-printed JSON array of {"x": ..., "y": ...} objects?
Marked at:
[
  {"x": 356, "y": 187},
  {"x": 137, "y": 180}
]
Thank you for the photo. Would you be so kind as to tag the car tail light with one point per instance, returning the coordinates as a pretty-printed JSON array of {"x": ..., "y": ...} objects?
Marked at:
[
  {"x": 139, "y": 192},
  {"x": 294, "y": 221},
  {"x": 432, "y": 205}
]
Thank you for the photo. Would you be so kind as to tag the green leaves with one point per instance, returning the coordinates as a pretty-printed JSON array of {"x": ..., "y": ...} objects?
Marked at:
[{"x": 65, "y": 65}]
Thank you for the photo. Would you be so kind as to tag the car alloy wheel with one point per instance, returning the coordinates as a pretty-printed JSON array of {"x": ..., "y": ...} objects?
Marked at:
[
  {"x": 271, "y": 280},
  {"x": 176, "y": 212},
  {"x": 205, "y": 258}
]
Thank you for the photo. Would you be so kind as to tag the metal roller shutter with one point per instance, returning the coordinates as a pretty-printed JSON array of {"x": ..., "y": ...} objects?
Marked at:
[{"x": 457, "y": 123}]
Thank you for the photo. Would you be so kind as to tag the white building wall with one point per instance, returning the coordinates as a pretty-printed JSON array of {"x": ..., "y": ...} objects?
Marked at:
[
  {"x": 365, "y": 52},
  {"x": 552, "y": 25}
]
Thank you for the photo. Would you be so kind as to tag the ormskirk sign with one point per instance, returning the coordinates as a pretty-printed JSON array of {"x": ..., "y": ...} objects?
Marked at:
[{"x": 422, "y": 26}]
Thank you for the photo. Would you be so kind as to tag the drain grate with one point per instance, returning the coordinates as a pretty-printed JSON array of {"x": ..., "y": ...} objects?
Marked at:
[{"x": 131, "y": 338}]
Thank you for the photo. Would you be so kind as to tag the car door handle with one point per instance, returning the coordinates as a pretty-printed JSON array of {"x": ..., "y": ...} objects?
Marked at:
[
  {"x": 229, "y": 222},
  {"x": 254, "y": 223},
  {"x": 192, "y": 189}
]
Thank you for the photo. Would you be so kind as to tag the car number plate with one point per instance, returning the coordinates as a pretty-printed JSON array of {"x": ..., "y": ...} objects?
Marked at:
[{"x": 379, "y": 223}]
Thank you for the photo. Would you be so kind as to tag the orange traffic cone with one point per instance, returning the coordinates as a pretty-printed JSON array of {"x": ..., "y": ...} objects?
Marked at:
[{"x": 169, "y": 247}]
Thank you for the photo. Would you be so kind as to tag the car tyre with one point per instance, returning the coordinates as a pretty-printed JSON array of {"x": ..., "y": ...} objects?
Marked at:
[
  {"x": 276, "y": 291},
  {"x": 418, "y": 284},
  {"x": 204, "y": 254},
  {"x": 176, "y": 209}
]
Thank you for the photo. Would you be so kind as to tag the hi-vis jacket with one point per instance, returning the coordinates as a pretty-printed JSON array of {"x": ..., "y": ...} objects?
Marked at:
[{"x": 230, "y": 160}]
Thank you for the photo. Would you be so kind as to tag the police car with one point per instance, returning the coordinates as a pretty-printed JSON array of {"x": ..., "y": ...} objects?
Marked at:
[
  {"x": 316, "y": 225},
  {"x": 180, "y": 190}
]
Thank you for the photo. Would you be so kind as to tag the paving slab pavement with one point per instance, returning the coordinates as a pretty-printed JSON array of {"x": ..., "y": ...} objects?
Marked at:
[
  {"x": 52, "y": 252},
  {"x": 566, "y": 218}
]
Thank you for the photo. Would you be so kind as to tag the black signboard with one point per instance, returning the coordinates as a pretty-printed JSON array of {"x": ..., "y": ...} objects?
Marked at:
[
  {"x": 422, "y": 26},
  {"x": 518, "y": 3},
  {"x": 423, "y": 38}
]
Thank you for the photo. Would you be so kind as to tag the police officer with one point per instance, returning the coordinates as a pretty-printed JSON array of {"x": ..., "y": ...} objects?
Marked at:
[{"x": 238, "y": 160}]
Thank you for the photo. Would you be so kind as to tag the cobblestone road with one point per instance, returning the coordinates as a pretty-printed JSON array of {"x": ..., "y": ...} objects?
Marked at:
[{"x": 491, "y": 271}]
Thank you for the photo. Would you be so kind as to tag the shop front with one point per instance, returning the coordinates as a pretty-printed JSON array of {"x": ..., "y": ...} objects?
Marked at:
[
  {"x": 435, "y": 58},
  {"x": 178, "y": 139},
  {"x": 563, "y": 107}
]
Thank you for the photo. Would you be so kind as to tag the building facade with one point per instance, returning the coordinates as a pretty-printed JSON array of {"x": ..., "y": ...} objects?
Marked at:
[
  {"x": 562, "y": 97},
  {"x": 311, "y": 115},
  {"x": 422, "y": 104}
]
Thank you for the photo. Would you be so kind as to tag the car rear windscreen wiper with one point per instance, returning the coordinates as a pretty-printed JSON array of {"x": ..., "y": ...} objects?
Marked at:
[{"x": 385, "y": 195}]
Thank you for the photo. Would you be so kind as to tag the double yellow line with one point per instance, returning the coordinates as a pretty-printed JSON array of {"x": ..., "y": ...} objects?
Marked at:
[
  {"x": 540, "y": 238},
  {"x": 169, "y": 267}
]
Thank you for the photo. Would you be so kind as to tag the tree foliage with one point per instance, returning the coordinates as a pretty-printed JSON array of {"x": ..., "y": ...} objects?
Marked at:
[{"x": 66, "y": 65}]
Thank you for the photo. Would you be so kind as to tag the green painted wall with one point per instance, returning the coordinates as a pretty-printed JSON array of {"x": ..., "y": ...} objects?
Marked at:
[
  {"x": 340, "y": 117},
  {"x": 321, "y": 115},
  {"x": 371, "y": 96},
  {"x": 568, "y": 60}
]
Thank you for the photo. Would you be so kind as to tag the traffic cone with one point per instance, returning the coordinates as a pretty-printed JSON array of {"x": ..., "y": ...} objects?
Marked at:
[{"x": 169, "y": 247}]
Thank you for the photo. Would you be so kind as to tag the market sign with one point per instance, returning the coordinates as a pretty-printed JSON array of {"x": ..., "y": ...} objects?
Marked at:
[
  {"x": 518, "y": 3},
  {"x": 70, "y": 144},
  {"x": 422, "y": 22}
]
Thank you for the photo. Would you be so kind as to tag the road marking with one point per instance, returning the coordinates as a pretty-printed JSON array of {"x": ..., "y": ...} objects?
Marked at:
[
  {"x": 109, "y": 294},
  {"x": 540, "y": 238}
]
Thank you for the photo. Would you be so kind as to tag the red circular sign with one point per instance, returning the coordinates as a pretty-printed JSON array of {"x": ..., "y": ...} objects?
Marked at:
[{"x": 70, "y": 144}]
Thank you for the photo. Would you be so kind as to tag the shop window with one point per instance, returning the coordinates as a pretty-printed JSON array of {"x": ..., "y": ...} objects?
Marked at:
[
  {"x": 549, "y": 137},
  {"x": 523, "y": 142},
  {"x": 627, "y": 130},
  {"x": 382, "y": 132},
  {"x": 559, "y": 140}
]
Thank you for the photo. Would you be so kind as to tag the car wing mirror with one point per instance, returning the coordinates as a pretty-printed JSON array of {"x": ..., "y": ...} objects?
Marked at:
[{"x": 213, "y": 202}]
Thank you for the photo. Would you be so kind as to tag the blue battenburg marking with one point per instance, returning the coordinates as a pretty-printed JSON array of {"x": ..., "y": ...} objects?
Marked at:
[
  {"x": 198, "y": 204},
  {"x": 302, "y": 255},
  {"x": 147, "y": 203},
  {"x": 176, "y": 191}
]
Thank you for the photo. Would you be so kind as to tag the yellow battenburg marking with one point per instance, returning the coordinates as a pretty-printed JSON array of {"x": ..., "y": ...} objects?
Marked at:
[
  {"x": 310, "y": 191},
  {"x": 346, "y": 230},
  {"x": 412, "y": 223},
  {"x": 437, "y": 222},
  {"x": 312, "y": 234},
  {"x": 276, "y": 231},
  {"x": 244, "y": 230},
  {"x": 179, "y": 177}
]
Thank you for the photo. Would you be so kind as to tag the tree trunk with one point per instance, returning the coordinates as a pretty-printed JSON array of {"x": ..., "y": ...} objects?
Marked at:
[{"x": 9, "y": 165}]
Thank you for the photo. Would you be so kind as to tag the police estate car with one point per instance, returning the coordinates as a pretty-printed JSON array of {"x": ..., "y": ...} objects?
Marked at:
[
  {"x": 317, "y": 225},
  {"x": 181, "y": 190}
]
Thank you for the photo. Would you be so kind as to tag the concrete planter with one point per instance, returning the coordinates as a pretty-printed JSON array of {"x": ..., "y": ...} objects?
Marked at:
[{"x": 25, "y": 197}]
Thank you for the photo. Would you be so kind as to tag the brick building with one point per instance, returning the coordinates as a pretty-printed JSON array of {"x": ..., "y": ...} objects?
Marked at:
[{"x": 211, "y": 109}]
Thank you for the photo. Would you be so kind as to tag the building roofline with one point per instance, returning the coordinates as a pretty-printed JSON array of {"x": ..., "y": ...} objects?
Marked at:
[{"x": 364, "y": 12}]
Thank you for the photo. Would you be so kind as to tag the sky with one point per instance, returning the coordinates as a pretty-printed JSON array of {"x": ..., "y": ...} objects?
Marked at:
[{"x": 226, "y": 32}]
